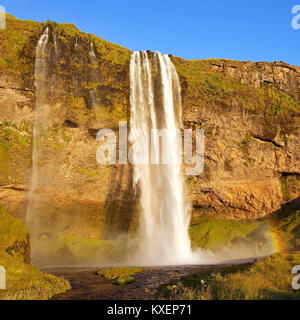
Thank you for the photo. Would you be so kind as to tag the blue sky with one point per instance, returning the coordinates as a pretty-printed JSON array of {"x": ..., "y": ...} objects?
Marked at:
[{"x": 257, "y": 30}]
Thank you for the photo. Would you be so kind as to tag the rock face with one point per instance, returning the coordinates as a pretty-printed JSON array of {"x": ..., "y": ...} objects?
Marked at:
[
  {"x": 250, "y": 115},
  {"x": 249, "y": 111}
]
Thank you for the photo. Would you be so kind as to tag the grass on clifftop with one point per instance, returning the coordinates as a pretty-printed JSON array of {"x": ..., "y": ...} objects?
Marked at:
[
  {"x": 109, "y": 51},
  {"x": 13, "y": 40},
  {"x": 267, "y": 279},
  {"x": 17, "y": 51},
  {"x": 207, "y": 87}
]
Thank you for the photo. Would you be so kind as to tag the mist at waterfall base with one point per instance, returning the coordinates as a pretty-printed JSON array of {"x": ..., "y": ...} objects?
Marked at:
[{"x": 163, "y": 235}]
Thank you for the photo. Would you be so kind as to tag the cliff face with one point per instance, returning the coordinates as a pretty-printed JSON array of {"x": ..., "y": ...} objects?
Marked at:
[
  {"x": 249, "y": 111},
  {"x": 250, "y": 114}
]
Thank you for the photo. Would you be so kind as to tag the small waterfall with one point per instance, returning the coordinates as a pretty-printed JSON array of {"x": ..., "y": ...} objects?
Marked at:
[
  {"x": 94, "y": 97},
  {"x": 76, "y": 46},
  {"x": 41, "y": 75},
  {"x": 93, "y": 60},
  {"x": 55, "y": 43},
  {"x": 156, "y": 104},
  {"x": 92, "y": 53}
]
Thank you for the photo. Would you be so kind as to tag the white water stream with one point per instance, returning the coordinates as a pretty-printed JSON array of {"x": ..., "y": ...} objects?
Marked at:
[{"x": 165, "y": 216}]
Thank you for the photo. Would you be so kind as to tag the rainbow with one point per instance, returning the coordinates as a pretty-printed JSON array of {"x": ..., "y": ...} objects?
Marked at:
[{"x": 277, "y": 240}]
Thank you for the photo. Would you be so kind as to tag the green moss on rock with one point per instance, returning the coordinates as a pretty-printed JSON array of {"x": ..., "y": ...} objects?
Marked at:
[
  {"x": 24, "y": 282},
  {"x": 12, "y": 231},
  {"x": 64, "y": 248},
  {"x": 15, "y": 153},
  {"x": 206, "y": 84},
  {"x": 210, "y": 234},
  {"x": 121, "y": 272}
]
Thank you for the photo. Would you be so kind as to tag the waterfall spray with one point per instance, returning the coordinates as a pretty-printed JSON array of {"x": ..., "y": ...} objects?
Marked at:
[
  {"x": 40, "y": 74},
  {"x": 156, "y": 104}
]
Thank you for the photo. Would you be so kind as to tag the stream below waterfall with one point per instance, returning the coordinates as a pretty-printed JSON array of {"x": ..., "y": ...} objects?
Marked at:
[{"x": 87, "y": 285}]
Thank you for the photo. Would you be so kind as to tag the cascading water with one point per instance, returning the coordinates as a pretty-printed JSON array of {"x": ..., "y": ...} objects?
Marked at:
[
  {"x": 94, "y": 97},
  {"x": 40, "y": 74},
  {"x": 92, "y": 53},
  {"x": 93, "y": 60},
  {"x": 156, "y": 104}
]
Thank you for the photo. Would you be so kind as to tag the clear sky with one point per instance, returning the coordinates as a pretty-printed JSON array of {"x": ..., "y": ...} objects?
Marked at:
[{"x": 257, "y": 30}]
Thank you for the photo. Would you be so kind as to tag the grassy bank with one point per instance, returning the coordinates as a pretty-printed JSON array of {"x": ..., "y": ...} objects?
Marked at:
[
  {"x": 270, "y": 278},
  {"x": 267, "y": 279},
  {"x": 23, "y": 281}
]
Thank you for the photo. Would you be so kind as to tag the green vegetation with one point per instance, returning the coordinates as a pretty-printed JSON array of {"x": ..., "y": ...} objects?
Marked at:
[
  {"x": 286, "y": 224},
  {"x": 15, "y": 52},
  {"x": 115, "y": 273},
  {"x": 123, "y": 280},
  {"x": 284, "y": 102},
  {"x": 207, "y": 87},
  {"x": 94, "y": 173},
  {"x": 15, "y": 41},
  {"x": 287, "y": 183},
  {"x": 64, "y": 248},
  {"x": 15, "y": 152},
  {"x": 210, "y": 234},
  {"x": 24, "y": 282},
  {"x": 11, "y": 230},
  {"x": 52, "y": 140},
  {"x": 109, "y": 51},
  {"x": 267, "y": 279},
  {"x": 121, "y": 276},
  {"x": 203, "y": 86},
  {"x": 76, "y": 76}
]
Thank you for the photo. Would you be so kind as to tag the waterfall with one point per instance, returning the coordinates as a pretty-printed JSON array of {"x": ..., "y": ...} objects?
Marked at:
[
  {"x": 156, "y": 104},
  {"x": 94, "y": 97},
  {"x": 92, "y": 53},
  {"x": 55, "y": 43},
  {"x": 76, "y": 43},
  {"x": 40, "y": 74}
]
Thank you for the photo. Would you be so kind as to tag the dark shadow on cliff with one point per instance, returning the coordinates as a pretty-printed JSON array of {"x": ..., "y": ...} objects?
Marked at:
[
  {"x": 119, "y": 207},
  {"x": 286, "y": 224},
  {"x": 286, "y": 209}
]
